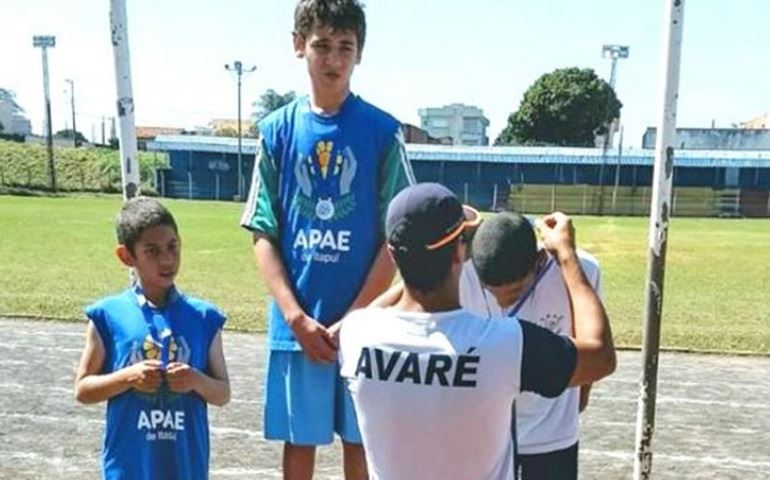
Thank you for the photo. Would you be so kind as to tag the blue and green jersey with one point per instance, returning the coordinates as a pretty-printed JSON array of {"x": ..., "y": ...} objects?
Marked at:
[{"x": 320, "y": 190}]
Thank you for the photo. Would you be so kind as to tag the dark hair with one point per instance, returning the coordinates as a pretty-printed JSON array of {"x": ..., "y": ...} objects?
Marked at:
[
  {"x": 339, "y": 15},
  {"x": 504, "y": 249},
  {"x": 136, "y": 216},
  {"x": 426, "y": 269}
]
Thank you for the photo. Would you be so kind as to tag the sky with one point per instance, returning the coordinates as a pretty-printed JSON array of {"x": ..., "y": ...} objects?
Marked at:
[{"x": 418, "y": 54}]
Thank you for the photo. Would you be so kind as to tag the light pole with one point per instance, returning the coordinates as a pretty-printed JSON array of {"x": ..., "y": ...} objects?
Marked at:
[
  {"x": 237, "y": 67},
  {"x": 44, "y": 42},
  {"x": 75, "y": 140},
  {"x": 614, "y": 52}
]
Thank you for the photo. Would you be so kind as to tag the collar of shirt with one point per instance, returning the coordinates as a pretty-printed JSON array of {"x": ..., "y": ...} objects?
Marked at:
[{"x": 172, "y": 296}]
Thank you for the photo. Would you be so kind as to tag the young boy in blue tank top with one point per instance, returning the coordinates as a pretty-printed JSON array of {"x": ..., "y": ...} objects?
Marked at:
[
  {"x": 327, "y": 167},
  {"x": 155, "y": 355}
]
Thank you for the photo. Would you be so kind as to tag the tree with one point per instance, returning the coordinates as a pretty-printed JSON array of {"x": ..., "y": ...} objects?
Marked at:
[
  {"x": 226, "y": 131},
  {"x": 68, "y": 133},
  {"x": 567, "y": 107},
  {"x": 267, "y": 103}
]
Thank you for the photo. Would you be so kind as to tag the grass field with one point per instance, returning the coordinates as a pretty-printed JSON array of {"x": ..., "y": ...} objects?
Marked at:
[{"x": 56, "y": 256}]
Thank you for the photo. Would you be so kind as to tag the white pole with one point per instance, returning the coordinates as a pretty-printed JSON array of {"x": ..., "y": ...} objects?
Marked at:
[
  {"x": 44, "y": 42},
  {"x": 129, "y": 164},
  {"x": 659, "y": 218},
  {"x": 48, "y": 123}
]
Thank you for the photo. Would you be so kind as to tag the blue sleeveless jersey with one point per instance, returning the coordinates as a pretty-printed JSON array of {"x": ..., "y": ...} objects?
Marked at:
[
  {"x": 328, "y": 176},
  {"x": 161, "y": 435}
]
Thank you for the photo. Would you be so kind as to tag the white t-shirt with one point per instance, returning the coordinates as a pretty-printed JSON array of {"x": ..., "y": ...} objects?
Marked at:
[
  {"x": 433, "y": 392},
  {"x": 542, "y": 424}
]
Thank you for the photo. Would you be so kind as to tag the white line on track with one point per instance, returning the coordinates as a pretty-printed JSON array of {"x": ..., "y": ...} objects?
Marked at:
[
  {"x": 50, "y": 418},
  {"x": 727, "y": 463},
  {"x": 45, "y": 348},
  {"x": 215, "y": 431},
  {"x": 680, "y": 400}
]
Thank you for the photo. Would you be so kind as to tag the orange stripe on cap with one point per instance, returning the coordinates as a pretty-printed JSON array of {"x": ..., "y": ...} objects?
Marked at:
[{"x": 459, "y": 229}]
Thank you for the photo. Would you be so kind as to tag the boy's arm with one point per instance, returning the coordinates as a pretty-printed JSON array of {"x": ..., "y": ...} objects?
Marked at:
[
  {"x": 394, "y": 175},
  {"x": 213, "y": 386},
  {"x": 314, "y": 338},
  {"x": 259, "y": 216},
  {"x": 378, "y": 280},
  {"x": 92, "y": 387}
]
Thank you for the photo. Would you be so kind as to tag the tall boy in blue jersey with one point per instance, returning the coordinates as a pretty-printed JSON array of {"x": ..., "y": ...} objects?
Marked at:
[
  {"x": 155, "y": 355},
  {"x": 327, "y": 166}
]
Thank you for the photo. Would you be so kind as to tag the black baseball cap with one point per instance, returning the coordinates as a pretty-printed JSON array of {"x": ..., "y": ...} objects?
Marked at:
[{"x": 425, "y": 217}]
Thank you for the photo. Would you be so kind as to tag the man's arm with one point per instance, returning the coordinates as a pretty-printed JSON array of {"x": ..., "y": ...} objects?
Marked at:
[
  {"x": 594, "y": 278},
  {"x": 390, "y": 297},
  {"x": 585, "y": 393},
  {"x": 93, "y": 387},
  {"x": 593, "y": 335}
]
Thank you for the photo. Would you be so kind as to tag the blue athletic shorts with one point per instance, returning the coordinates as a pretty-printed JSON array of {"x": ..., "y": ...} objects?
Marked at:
[{"x": 306, "y": 402}]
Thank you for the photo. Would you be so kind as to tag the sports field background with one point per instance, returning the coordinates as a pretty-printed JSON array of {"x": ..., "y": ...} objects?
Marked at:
[{"x": 56, "y": 256}]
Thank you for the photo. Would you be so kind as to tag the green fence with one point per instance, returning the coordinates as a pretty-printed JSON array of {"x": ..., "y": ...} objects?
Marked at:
[
  {"x": 593, "y": 200},
  {"x": 90, "y": 169}
]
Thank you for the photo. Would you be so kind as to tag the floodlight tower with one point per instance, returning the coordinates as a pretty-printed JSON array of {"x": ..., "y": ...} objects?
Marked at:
[
  {"x": 237, "y": 67},
  {"x": 614, "y": 52},
  {"x": 44, "y": 42}
]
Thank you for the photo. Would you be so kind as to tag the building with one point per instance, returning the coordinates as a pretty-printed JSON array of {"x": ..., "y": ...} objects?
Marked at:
[
  {"x": 414, "y": 134},
  {"x": 465, "y": 125},
  {"x": 527, "y": 179},
  {"x": 203, "y": 167},
  {"x": 148, "y": 134},
  {"x": 714, "y": 138},
  {"x": 13, "y": 122},
  {"x": 761, "y": 121}
]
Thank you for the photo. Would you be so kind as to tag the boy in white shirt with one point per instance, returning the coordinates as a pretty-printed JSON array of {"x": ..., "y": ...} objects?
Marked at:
[
  {"x": 509, "y": 275},
  {"x": 432, "y": 383}
]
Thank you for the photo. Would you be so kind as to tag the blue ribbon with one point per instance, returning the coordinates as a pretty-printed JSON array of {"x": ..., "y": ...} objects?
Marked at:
[{"x": 531, "y": 288}]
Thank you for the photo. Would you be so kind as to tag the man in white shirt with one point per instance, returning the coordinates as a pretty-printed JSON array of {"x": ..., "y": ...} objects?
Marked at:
[
  {"x": 432, "y": 383},
  {"x": 510, "y": 276}
]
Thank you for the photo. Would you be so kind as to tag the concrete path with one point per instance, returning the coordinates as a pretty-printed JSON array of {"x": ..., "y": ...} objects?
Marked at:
[{"x": 713, "y": 417}]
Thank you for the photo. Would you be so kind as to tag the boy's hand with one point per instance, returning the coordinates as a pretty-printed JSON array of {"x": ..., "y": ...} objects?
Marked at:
[
  {"x": 145, "y": 376},
  {"x": 180, "y": 377},
  {"x": 334, "y": 333},
  {"x": 558, "y": 235},
  {"x": 314, "y": 338}
]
